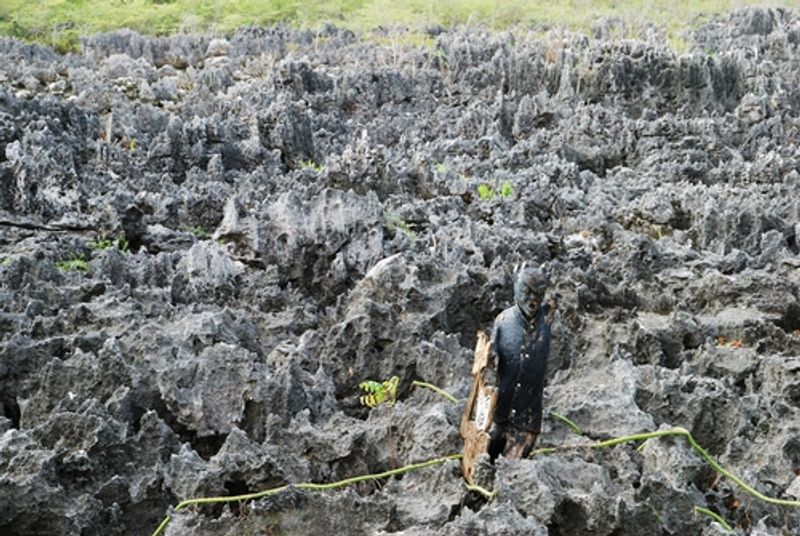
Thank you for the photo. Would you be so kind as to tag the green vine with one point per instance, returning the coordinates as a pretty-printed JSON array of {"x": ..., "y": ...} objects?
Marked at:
[
  {"x": 483, "y": 491},
  {"x": 377, "y": 393},
  {"x": 386, "y": 392},
  {"x": 715, "y": 516},
  {"x": 304, "y": 485},
  {"x": 570, "y": 423},
  {"x": 681, "y": 432},
  {"x": 448, "y": 396}
]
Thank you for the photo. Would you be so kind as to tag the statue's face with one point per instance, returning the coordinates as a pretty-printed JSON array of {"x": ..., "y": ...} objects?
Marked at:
[{"x": 529, "y": 290}]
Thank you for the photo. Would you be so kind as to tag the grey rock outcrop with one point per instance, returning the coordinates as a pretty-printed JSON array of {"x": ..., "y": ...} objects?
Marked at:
[{"x": 207, "y": 243}]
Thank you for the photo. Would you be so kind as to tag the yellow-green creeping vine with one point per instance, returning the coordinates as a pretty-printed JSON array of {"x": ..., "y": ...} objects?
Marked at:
[{"x": 305, "y": 485}]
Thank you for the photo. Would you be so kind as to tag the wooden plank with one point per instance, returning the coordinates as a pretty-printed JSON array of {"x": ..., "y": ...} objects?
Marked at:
[{"x": 476, "y": 422}]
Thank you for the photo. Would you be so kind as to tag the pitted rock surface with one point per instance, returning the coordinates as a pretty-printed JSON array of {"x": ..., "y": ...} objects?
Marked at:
[{"x": 287, "y": 213}]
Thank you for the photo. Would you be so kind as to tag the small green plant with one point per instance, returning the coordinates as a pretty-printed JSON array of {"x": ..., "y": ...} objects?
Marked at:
[
  {"x": 394, "y": 221},
  {"x": 441, "y": 168},
  {"x": 66, "y": 41},
  {"x": 485, "y": 192},
  {"x": 76, "y": 262},
  {"x": 313, "y": 166},
  {"x": 106, "y": 243},
  {"x": 379, "y": 392},
  {"x": 122, "y": 243},
  {"x": 199, "y": 232},
  {"x": 100, "y": 245},
  {"x": 6, "y": 261}
]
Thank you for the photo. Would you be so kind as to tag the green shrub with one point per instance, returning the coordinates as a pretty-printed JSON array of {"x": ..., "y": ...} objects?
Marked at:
[
  {"x": 76, "y": 262},
  {"x": 485, "y": 192}
]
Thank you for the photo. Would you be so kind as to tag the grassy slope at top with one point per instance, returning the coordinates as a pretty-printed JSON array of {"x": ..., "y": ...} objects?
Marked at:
[{"x": 60, "y": 22}]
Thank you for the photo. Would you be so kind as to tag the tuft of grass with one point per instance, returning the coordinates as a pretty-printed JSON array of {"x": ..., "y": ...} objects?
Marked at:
[
  {"x": 101, "y": 244},
  {"x": 76, "y": 262},
  {"x": 65, "y": 42},
  {"x": 122, "y": 243},
  {"x": 319, "y": 169},
  {"x": 105, "y": 243},
  {"x": 6, "y": 261}
]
